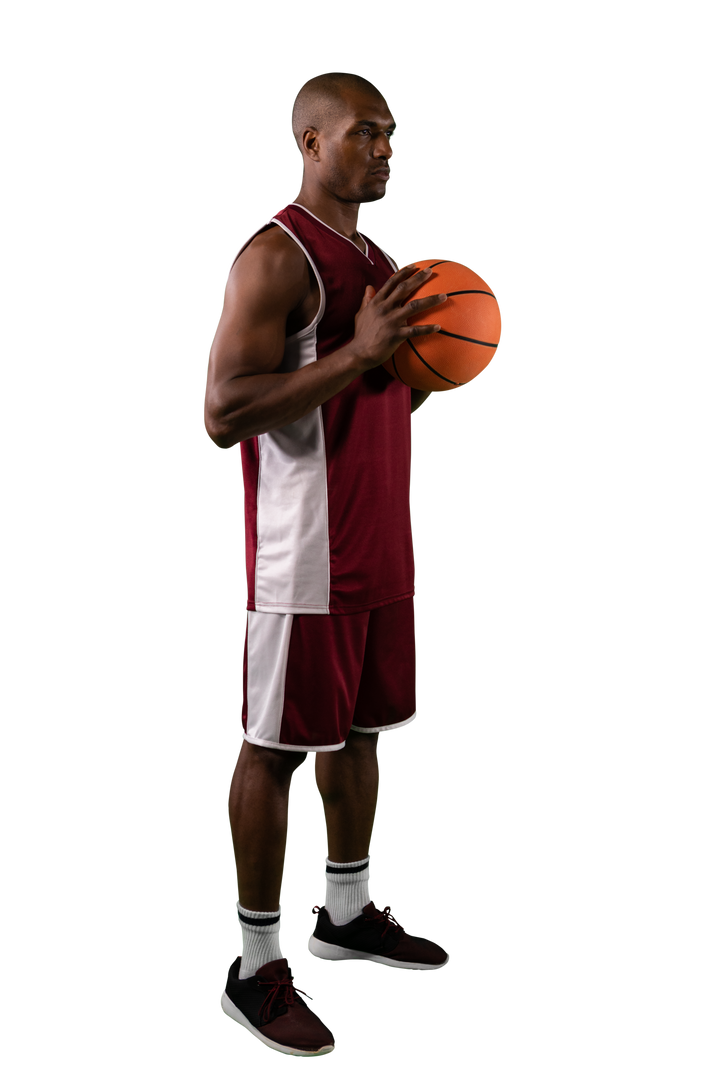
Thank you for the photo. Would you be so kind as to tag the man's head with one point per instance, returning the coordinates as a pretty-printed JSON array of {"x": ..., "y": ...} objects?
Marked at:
[{"x": 342, "y": 126}]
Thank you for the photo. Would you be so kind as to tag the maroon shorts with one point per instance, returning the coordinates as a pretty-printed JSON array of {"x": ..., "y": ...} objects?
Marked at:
[{"x": 309, "y": 679}]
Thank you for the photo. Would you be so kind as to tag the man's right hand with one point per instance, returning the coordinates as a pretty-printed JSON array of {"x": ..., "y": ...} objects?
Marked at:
[{"x": 381, "y": 322}]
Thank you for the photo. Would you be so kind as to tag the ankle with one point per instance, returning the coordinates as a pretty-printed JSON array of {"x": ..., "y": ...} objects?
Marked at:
[{"x": 261, "y": 939}]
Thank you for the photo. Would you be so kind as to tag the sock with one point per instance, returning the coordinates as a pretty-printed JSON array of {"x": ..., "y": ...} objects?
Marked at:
[
  {"x": 347, "y": 890},
  {"x": 261, "y": 939}
]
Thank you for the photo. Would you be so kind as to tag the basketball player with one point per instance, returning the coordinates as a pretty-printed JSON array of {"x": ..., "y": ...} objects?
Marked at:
[{"x": 312, "y": 309}]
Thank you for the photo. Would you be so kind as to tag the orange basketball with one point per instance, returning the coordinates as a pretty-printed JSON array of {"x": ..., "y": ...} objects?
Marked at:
[{"x": 470, "y": 320}]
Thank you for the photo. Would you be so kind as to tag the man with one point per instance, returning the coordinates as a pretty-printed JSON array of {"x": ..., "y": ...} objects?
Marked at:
[{"x": 312, "y": 310}]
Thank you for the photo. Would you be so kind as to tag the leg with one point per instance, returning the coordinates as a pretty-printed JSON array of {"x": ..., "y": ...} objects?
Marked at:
[
  {"x": 348, "y": 783},
  {"x": 258, "y": 819}
]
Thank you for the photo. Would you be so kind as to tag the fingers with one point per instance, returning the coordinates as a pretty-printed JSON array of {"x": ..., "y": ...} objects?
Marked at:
[
  {"x": 424, "y": 303},
  {"x": 409, "y": 285},
  {"x": 409, "y": 277},
  {"x": 417, "y": 275}
]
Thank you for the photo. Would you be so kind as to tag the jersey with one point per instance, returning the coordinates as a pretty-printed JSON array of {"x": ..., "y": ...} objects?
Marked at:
[{"x": 327, "y": 498}]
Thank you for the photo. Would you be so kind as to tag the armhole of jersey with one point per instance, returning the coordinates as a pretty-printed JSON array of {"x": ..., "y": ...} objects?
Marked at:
[
  {"x": 321, "y": 310},
  {"x": 262, "y": 229},
  {"x": 391, "y": 261}
]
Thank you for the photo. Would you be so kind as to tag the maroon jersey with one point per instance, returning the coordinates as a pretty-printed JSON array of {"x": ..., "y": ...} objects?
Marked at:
[{"x": 327, "y": 498}]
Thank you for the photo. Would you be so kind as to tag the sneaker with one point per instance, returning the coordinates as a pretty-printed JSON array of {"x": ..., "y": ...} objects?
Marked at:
[
  {"x": 374, "y": 935},
  {"x": 267, "y": 1004}
]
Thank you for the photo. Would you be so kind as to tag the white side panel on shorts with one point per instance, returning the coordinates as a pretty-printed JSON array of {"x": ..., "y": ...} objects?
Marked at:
[{"x": 268, "y": 646}]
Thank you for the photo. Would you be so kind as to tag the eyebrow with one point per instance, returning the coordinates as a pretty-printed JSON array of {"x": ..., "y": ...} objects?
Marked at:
[{"x": 374, "y": 123}]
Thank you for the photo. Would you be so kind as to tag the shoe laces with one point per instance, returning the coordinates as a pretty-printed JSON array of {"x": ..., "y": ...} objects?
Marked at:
[
  {"x": 282, "y": 992},
  {"x": 384, "y": 918}
]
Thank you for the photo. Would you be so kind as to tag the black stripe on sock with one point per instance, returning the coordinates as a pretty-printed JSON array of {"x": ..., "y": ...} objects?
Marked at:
[
  {"x": 347, "y": 869},
  {"x": 258, "y": 922}
]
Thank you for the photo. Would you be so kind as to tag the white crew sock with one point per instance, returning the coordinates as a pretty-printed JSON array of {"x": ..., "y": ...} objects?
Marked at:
[
  {"x": 347, "y": 890},
  {"x": 261, "y": 939}
]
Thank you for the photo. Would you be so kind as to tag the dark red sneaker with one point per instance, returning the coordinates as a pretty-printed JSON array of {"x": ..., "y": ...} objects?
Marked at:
[
  {"x": 274, "y": 1011},
  {"x": 375, "y": 936}
]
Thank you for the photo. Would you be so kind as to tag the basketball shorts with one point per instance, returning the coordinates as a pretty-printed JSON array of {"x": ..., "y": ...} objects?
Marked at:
[{"x": 309, "y": 679}]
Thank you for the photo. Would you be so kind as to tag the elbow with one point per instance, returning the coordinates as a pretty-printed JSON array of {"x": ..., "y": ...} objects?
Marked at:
[
  {"x": 219, "y": 438},
  {"x": 213, "y": 431},
  {"x": 214, "y": 443}
]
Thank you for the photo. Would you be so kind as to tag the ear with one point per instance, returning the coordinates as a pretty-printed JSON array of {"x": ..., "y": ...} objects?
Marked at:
[{"x": 310, "y": 143}]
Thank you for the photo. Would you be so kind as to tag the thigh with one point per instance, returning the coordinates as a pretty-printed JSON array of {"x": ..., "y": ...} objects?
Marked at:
[{"x": 386, "y": 695}]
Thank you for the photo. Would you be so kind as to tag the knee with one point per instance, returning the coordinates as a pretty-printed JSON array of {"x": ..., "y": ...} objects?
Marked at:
[
  {"x": 278, "y": 763},
  {"x": 361, "y": 745}
]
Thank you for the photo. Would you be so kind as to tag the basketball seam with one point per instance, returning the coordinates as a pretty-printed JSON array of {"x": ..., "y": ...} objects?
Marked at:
[
  {"x": 489, "y": 344},
  {"x": 397, "y": 372},
  {"x": 423, "y": 361},
  {"x": 462, "y": 292}
]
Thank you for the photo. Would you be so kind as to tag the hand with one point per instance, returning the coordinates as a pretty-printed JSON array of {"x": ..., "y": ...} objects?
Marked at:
[{"x": 381, "y": 323}]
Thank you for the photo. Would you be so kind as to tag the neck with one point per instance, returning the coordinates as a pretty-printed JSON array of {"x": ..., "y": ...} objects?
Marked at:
[{"x": 343, "y": 219}]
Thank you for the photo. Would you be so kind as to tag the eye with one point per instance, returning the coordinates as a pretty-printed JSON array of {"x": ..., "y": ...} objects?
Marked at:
[{"x": 391, "y": 135}]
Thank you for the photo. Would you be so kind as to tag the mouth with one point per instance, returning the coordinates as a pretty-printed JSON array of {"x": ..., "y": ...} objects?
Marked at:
[{"x": 382, "y": 174}]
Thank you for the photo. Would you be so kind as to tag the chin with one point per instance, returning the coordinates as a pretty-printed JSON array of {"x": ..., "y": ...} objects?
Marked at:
[
  {"x": 372, "y": 194},
  {"x": 371, "y": 202}
]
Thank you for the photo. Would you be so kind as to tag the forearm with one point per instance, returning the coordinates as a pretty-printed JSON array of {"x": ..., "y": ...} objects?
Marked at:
[
  {"x": 417, "y": 397},
  {"x": 250, "y": 405}
]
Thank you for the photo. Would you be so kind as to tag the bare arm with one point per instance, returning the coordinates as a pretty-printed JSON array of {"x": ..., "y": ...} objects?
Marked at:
[
  {"x": 245, "y": 393},
  {"x": 269, "y": 286}
]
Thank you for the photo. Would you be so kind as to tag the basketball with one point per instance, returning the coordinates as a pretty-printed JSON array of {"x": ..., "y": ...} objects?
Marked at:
[{"x": 470, "y": 320}]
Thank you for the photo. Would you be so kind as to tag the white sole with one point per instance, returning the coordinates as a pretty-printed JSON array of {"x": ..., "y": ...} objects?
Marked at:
[
  {"x": 234, "y": 1013},
  {"x": 326, "y": 951}
]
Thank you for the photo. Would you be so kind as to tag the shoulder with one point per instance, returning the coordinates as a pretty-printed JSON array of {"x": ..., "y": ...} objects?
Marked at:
[
  {"x": 274, "y": 238},
  {"x": 270, "y": 251}
]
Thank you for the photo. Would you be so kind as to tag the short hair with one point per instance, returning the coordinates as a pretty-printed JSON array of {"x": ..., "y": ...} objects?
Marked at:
[{"x": 321, "y": 100}]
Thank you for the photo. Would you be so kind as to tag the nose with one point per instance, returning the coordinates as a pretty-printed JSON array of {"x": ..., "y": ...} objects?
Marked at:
[{"x": 389, "y": 152}]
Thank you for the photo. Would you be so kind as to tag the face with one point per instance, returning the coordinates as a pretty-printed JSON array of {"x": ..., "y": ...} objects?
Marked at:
[{"x": 354, "y": 150}]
